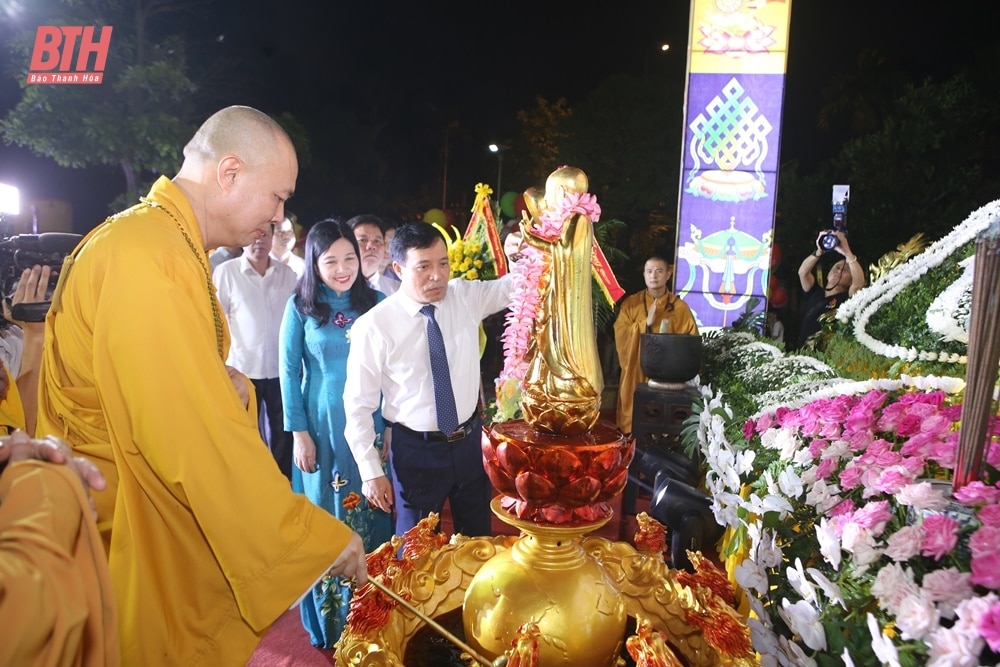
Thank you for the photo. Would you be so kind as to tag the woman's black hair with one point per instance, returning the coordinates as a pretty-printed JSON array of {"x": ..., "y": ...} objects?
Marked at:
[{"x": 320, "y": 237}]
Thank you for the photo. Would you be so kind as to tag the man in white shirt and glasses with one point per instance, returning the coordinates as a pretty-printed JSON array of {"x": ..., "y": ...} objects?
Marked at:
[{"x": 253, "y": 290}]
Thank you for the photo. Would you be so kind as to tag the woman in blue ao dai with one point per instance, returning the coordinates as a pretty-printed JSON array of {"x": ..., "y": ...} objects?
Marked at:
[{"x": 315, "y": 338}]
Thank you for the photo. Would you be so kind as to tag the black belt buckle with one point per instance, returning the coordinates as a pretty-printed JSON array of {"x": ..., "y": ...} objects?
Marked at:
[{"x": 458, "y": 434}]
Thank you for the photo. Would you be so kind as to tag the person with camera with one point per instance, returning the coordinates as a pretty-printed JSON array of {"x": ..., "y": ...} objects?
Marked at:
[
  {"x": 21, "y": 350},
  {"x": 843, "y": 279}
]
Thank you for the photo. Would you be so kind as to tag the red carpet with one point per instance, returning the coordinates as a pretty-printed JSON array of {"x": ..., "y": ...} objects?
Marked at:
[{"x": 286, "y": 644}]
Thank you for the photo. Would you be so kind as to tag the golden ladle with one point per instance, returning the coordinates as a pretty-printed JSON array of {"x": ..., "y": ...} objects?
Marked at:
[{"x": 441, "y": 630}]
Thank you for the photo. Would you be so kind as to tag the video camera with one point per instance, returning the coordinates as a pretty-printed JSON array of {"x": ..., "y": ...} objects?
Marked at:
[
  {"x": 841, "y": 196},
  {"x": 24, "y": 251}
]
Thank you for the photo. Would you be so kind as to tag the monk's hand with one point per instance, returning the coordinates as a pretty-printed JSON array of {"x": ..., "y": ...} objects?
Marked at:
[
  {"x": 241, "y": 383},
  {"x": 351, "y": 562},
  {"x": 378, "y": 491},
  {"x": 651, "y": 314}
]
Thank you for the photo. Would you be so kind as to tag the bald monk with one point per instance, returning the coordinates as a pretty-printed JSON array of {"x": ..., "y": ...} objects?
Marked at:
[{"x": 208, "y": 545}]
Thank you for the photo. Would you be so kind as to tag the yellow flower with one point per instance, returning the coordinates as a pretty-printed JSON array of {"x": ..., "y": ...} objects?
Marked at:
[
  {"x": 471, "y": 274},
  {"x": 478, "y": 263}
]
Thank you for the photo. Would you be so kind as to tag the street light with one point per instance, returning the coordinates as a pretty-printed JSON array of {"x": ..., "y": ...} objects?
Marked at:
[
  {"x": 499, "y": 149},
  {"x": 9, "y": 200},
  {"x": 663, "y": 47}
]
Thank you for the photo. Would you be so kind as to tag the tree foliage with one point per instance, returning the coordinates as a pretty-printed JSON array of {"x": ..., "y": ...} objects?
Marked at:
[
  {"x": 541, "y": 132},
  {"x": 138, "y": 119}
]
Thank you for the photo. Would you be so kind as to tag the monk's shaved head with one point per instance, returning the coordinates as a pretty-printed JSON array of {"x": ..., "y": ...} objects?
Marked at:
[
  {"x": 250, "y": 134},
  {"x": 239, "y": 170}
]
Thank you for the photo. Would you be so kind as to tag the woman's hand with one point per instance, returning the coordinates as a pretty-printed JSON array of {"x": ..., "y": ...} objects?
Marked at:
[{"x": 304, "y": 451}]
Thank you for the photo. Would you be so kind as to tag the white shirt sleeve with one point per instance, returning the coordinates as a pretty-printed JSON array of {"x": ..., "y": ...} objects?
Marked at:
[{"x": 362, "y": 394}]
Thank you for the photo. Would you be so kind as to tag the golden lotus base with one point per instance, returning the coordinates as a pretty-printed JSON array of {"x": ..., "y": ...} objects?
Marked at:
[{"x": 435, "y": 580}]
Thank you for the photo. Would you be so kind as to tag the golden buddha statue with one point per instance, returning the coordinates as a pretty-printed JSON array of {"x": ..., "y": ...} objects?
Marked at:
[{"x": 563, "y": 382}]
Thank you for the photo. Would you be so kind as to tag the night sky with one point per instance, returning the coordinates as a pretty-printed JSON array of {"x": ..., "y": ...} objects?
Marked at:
[{"x": 480, "y": 63}]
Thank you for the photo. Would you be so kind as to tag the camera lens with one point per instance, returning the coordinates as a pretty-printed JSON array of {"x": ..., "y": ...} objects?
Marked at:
[{"x": 828, "y": 241}]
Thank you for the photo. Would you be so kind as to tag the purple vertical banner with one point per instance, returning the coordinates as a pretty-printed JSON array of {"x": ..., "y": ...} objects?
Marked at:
[{"x": 735, "y": 90}]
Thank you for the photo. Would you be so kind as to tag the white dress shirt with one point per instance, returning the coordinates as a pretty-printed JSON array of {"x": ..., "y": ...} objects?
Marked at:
[
  {"x": 384, "y": 283},
  {"x": 253, "y": 305},
  {"x": 297, "y": 264},
  {"x": 389, "y": 358},
  {"x": 12, "y": 348}
]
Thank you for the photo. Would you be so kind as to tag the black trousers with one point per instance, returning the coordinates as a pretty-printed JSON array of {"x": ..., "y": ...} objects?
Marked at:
[
  {"x": 270, "y": 421},
  {"x": 425, "y": 473}
]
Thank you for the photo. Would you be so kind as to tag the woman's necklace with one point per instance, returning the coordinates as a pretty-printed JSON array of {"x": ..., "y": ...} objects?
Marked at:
[{"x": 216, "y": 315}]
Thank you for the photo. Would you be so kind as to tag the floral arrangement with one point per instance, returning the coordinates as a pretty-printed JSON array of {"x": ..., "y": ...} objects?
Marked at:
[
  {"x": 467, "y": 260},
  {"x": 474, "y": 257},
  {"x": 841, "y": 530},
  {"x": 947, "y": 315},
  {"x": 528, "y": 275}
]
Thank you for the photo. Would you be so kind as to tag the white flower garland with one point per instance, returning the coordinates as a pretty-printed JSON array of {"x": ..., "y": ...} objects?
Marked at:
[
  {"x": 949, "y": 312},
  {"x": 869, "y": 299}
]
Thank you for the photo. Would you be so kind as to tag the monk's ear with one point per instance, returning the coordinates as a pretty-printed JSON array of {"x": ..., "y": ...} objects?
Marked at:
[{"x": 228, "y": 170}]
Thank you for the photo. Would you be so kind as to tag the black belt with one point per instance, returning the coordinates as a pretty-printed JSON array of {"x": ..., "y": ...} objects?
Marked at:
[{"x": 456, "y": 435}]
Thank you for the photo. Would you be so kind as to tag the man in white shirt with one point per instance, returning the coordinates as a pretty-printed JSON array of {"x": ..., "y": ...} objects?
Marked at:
[
  {"x": 283, "y": 247},
  {"x": 390, "y": 357},
  {"x": 253, "y": 291},
  {"x": 369, "y": 230},
  {"x": 385, "y": 266}
]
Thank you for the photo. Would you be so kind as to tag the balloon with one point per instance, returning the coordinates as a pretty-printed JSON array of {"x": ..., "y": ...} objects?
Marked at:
[
  {"x": 779, "y": 297},
  {"x": 508, "y": 205},
  {"x": 775, "y": 255},
  {"x": 450, "y": 217},
  {"x": 436, "y": 215},
  {"x": 773, "y": 283}
]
